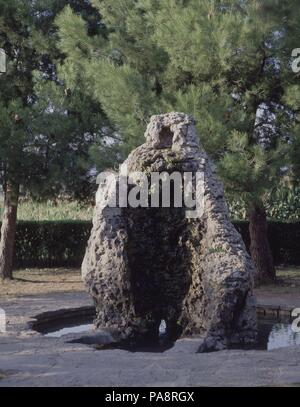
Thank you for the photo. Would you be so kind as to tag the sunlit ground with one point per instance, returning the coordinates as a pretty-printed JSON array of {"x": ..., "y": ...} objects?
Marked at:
[{"x": 43, "y": 281}]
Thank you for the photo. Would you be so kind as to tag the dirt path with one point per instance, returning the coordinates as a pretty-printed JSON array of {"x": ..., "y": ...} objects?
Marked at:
[{"x": 41, "y": 281}]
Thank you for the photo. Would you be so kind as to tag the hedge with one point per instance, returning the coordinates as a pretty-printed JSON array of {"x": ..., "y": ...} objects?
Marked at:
[
  {"x": 284, "y": 240},
  {"x": 51, "y": 243},
  {"x": 63, "y": 243}
]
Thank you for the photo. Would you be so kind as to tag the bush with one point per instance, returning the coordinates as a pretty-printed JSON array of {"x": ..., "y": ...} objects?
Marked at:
[
  {"x": 51, "y": 244},
  {"x": 284, "y": 240},
  {"x": 63, "y": 243}
]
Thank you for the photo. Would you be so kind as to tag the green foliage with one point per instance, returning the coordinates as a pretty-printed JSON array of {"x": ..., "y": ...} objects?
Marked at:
[
  {"x": 283, "y": 238},
  {"x": 46, "y": 130},
  {"x": 282, "y": 204},
  {"x": 223, "y": 62},
  {"x": 60, "y": 210},
  {"x": 51, "y": 244},
  {"x": 62, "y": 244}
]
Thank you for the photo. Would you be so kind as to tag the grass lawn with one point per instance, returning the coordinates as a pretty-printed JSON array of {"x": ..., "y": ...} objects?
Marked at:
[{"x": 63, "y": 210}]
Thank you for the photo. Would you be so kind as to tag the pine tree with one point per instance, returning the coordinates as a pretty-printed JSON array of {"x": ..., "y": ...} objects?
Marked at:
[
  {"x": 46, "y": 130},
  {"x": 228, "y": 63}
]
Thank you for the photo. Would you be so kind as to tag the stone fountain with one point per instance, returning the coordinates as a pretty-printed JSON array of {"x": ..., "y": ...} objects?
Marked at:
[{"x": 144, "y": 264}]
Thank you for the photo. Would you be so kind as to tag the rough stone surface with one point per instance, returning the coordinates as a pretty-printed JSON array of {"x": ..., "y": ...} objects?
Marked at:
[
  {"x": 144, "y": 265},
  {"x": 29, "y": 359}
]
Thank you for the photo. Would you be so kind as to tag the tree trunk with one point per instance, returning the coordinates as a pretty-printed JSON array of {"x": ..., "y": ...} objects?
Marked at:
[
  {"x": 260, "y": 248},
  {"x": 8, "y": 231}
]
